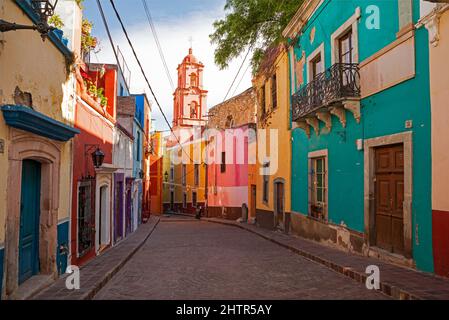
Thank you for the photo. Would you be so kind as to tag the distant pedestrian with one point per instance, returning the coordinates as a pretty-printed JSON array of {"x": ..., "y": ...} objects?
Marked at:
[{"x": 198, "y": 212}]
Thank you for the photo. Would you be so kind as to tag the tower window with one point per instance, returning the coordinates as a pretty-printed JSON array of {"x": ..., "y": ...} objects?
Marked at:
[
  {"x": 193, "y": 80},
  {"x": 194, "y": 110}
]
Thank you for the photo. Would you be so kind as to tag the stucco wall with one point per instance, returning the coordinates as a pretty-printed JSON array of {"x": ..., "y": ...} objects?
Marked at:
[
  {"x": 439, "y": 79},
  {"x": 25, "y": 60},
  {"x": 384, "y": 113},
  {"x": 278, "y": 119}
]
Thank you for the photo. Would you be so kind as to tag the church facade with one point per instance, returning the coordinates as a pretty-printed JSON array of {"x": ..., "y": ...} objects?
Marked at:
[{"x": 184, "y": 170}]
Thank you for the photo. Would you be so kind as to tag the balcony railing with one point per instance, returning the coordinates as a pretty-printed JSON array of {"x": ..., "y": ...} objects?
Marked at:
[{"x": 339, "y": 82}]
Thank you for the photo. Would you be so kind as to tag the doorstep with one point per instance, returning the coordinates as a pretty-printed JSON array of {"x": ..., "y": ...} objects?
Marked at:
[
  {"x": 33, "y": 286},
  {"x": 97, "y": 272},
  {"x": 395, "y": 281}
]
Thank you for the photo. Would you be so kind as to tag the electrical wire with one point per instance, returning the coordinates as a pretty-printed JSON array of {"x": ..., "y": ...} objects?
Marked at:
[
  {"x": 238, "y": 72},
  {"x": 145, "y": 76},
  {"x": 158, "y": 44}
]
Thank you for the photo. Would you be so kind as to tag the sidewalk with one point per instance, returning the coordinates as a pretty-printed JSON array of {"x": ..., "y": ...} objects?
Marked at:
[
  {"x": 96, "y": 273},
  {"x": 396, "y": 282}
]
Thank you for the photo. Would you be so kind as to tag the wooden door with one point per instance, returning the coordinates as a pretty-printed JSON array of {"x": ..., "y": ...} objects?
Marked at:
[
  {"x": 253, "y": 200},
  {"x": 29, "y": 220},
  {"x": 389, "y": 198},
  {"x": 279, "y": 189}
]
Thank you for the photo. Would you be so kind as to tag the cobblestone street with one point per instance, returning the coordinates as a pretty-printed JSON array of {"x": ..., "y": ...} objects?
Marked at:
[{"x": 200, "y": 260}]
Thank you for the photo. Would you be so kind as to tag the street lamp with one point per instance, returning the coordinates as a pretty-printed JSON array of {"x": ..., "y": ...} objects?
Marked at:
[
  {"x": 98, "y": 158},
  {"x": 44, "y": 9},
  {"x": 166, "y": 176}
]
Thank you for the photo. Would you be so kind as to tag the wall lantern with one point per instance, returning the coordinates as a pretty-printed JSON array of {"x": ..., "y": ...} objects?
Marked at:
[
  {"x": 98, "y": 158},
  {"x": 166, "y": 176},
  {"x": 44, "y": 9}
]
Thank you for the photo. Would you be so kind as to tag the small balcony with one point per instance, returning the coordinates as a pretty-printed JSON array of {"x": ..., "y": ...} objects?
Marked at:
[{"x": 330, "y": 93}]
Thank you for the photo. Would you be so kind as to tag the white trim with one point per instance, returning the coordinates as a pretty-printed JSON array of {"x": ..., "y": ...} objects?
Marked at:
[
  {"x": 63, "y": 221},
  {"x": 319, "y": 153},
  {"x": 313, "y": 55},
  {"x": 314, "y": 155},
  {"x": 351, "y": 23}
]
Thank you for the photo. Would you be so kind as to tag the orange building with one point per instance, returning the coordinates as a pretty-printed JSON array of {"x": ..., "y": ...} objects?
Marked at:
[{"x": 156, "y": 174}]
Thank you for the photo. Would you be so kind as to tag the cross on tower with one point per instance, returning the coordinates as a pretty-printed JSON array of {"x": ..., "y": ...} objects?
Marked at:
[{"x": 191, "y": 42}]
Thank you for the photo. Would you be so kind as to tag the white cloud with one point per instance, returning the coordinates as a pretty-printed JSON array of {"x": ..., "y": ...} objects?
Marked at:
[{"x": 174, "y": 38}]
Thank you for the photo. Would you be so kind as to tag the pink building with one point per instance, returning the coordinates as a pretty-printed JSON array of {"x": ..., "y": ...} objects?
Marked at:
[{"x": 231, "y": 156}]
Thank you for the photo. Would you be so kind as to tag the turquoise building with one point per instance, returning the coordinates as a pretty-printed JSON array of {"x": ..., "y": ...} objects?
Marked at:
[{"x": 361, "y": 139}]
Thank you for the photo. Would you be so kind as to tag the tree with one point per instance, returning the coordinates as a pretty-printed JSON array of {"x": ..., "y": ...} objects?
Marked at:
[{"x": 251, "y": 25}]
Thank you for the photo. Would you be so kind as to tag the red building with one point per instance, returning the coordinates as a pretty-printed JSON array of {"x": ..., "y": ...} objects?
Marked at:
[{"x": 95, "y": 116}]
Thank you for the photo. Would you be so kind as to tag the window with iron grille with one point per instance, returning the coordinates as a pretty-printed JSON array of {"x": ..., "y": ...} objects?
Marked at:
[
  {"x": 194, "y": 199},
  {"x": 184, "y": 174},
  {"x": 197, "y": 175},
  {"x": 223, "y": 162},
  {"x": 265, "y": 182},
  {"x": 86, "y": 218},
  {"x": 262, "y": 100},
  {"x": 274, "y": 91},
  {"x": 318, "y": 188}
]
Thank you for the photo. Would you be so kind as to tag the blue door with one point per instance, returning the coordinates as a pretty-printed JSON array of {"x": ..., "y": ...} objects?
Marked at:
[{"x": 29, "y": 220}]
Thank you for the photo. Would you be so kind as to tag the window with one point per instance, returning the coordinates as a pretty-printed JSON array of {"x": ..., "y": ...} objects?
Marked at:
[
  {"x": 345, "y": 48},
  {"x": 223, "y": 162},
  {"x": 316, "y": 66},
  {"x": 318, "y": 188},
  {"x": 86, "y": 218},
  {"x": 184, "y": 174},
  {"x": 194, "y": 199},
  {"x": 265, "y": 182},
  {"x": 193, "y": 80},
  {"x": 172, "y": 200},
  {"x": 138, "y": 147},
  {"x": 194, "y": 110},
  {"x": 197, "y": 175},
  {"x": 262, "y": 100},
  {"x": 184, "y": 200},
  {"x": 122, "y": 90},
  {"x": 274, "y": 92},
  {"x": 229, "y": 122},
  {"x": 172, "y": 174}
]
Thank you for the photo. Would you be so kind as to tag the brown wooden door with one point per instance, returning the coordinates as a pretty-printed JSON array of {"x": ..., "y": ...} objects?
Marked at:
[
  {"x": 280, "y": 203},
  {"x": 390, "y": 198},
  {"x": 253, "y": 201}
]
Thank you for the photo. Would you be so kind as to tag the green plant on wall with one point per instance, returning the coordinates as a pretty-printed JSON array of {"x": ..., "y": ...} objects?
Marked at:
[
  {"x": 88, "y": 42},
  {"x": 80, "y": 3},
  {"x": 56, "y": 21}
]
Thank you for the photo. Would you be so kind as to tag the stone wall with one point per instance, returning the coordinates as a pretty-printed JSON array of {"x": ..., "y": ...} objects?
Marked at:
[{"x": 241, "y": 109}]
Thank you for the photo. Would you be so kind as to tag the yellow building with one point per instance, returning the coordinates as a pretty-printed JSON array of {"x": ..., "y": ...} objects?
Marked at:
[
  {"x": 36, "y": 116},
  {"x": 184, "y": 185},
  {"x": 273, "y": 141}
]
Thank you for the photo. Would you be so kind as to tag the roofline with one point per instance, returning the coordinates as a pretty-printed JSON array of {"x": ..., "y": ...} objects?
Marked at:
[{"x": 305, "y": 11}]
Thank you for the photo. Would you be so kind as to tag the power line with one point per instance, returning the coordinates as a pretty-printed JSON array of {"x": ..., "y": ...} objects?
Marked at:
[
  {"x": 235, "y": 78},
  {"x": 241, "y": 79},
  {"x": 156, "y": 39},
  {"x": 110, "y": 40},
  {"x": 145, "y": 76}
]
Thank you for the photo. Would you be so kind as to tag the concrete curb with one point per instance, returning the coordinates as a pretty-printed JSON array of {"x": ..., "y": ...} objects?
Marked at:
[
  {"x": 386, "y": 288},
  {"x": 58, "y": 291},
  {"x": 108, "y": 276}
]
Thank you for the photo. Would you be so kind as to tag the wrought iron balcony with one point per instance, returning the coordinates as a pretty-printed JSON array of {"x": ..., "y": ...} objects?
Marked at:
[{"x": 338, "y": 83}]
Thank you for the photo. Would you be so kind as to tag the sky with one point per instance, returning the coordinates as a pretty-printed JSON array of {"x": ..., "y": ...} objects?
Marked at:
[{"x": 176, "y": 22}]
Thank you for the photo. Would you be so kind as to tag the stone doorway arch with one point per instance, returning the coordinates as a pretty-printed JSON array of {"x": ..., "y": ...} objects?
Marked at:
[{"x": 27, "y": 146}]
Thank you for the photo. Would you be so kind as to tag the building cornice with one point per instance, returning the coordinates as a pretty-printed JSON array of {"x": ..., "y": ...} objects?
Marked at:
[
  {"x": 301, "y": 17},
  {"x": 432, "y": 23}
]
